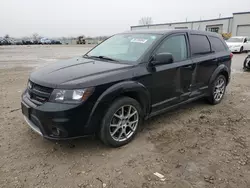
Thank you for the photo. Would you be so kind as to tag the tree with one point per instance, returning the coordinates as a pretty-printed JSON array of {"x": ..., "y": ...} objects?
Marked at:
[
  {"x": 35, "y": 36},
  {"x": 7, "y": 36},
  {"x": 145, "y": 21}
]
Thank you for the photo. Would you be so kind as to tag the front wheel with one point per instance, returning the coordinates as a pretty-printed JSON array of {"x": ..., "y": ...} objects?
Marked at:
[
  {"x": 217, "y": 90},
  {"x": 246, "y": 64},
  {"x": 121, "y": 121},
  {"x": 241, "y": 49}
]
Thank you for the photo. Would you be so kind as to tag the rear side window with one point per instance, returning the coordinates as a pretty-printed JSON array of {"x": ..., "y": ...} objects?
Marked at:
[
  {"x": 217, "y": 44},
  {"x": 199, "y": 44}
]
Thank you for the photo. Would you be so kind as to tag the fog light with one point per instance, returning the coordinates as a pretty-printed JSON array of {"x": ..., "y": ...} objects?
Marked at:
[{"x": 55, "y": 131}]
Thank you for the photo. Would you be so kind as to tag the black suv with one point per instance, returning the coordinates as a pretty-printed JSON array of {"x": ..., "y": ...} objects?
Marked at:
[{"x": 127, "y": 78}]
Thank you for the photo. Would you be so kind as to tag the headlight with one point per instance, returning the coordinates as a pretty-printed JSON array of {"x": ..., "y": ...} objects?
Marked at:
[{"x": 70, "y": 96}]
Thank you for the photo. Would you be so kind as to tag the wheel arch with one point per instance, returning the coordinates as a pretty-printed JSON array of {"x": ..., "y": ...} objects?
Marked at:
[
  {"x": 222, "y": 69},
  {"x": 130, "y": 89}
]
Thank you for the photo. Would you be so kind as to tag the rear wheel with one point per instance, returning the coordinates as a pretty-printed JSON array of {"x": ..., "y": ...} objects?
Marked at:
[
  {"x": 121, "y": 121},
  {"x": 217, "y": 90}
]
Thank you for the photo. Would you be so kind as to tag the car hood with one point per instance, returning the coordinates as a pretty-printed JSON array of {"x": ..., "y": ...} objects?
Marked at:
[
  {"x": 234, "y": 43},
  {"x": 80, "y": 72}
]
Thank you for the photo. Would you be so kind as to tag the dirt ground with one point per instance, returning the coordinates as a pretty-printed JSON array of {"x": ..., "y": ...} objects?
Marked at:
[{"x": 197, "y": 145}]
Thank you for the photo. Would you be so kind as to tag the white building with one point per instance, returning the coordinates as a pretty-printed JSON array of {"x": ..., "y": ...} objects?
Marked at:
[{"x": 237, "y": 25}]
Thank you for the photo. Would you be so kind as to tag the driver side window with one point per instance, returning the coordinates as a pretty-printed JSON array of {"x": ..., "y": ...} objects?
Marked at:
[{"x": 176, "y": 45}]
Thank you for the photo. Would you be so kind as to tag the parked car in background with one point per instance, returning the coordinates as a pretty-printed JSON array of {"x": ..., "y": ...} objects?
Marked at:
[
  {"x": 27, "y": 42},
  {"x": 45, "y": 41},
  {"x": 4, "y": 41},
  {"x": 128, "y": 78},
  {"x": 18, "y": 42},
  {"x": 1, "y": 41},
  {"x": 55, "y": 42},
  {"x": 13, "y": 41},
  {"x": 35, "y": 41},
  {"x": 239, "y": 44},
  {"x": 10, "y": 41}
]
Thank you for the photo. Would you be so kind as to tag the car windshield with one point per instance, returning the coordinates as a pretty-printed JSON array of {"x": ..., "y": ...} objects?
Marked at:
[
  {"x": 235, "y": 40},
  {"x": 124, "y": 47}
]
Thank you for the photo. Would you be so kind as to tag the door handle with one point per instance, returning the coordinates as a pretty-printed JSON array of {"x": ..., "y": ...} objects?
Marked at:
[
  {"x": 215, "y": 60},
  {"x": 189, "y": 67}
]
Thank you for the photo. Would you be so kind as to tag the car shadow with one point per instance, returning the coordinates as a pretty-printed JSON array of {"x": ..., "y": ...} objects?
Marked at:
[
  {"x": 93, "y": 145},
  {"x": 173, "y": 113}
]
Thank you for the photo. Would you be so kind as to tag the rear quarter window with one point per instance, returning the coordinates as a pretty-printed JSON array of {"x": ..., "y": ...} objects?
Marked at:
[
  {"x": 199, "y": 44},
  {"x": 217, "y": 44}
]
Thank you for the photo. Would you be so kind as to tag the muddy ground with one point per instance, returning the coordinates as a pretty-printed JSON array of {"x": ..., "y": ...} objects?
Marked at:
[{"x": 196, "y": 145}]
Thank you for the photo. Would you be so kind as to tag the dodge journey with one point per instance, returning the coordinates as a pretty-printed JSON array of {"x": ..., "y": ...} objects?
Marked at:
[{"x": 123, "y": 81}]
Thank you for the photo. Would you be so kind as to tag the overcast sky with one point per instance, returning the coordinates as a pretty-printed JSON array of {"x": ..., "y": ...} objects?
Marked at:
[{"x": 55, "y": 18}]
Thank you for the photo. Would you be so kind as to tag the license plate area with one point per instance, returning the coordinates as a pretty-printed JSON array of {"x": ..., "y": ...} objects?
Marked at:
[{"x": 25, "y": 110}]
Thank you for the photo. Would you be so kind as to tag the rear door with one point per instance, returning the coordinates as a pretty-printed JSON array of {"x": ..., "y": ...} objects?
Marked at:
[
  {"x": 171, "y": 82},
  {"x": 221, "y": 51},
  {"x": 205, "y": 60}
]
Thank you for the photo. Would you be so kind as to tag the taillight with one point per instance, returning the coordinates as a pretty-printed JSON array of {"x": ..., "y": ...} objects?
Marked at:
[{"x": 231, "y": 55}]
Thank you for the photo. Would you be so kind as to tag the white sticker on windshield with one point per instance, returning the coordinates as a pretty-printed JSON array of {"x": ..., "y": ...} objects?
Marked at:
[{"x": 139, "y": 40}]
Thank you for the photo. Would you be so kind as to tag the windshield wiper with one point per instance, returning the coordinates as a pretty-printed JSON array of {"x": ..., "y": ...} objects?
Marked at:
[{"x": 101, "y": 57}]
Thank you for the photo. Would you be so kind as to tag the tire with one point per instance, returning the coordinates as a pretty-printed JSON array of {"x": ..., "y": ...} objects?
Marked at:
[
  {"x": 245, "y": 67},
  {"x": 118, "y": 115},
  {"x": 214, "y": 89},
  {"x": 241, "y": 49}
]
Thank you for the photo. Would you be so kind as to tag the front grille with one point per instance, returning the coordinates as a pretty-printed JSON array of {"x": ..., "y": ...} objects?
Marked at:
[{"x": 38, "y": 94}]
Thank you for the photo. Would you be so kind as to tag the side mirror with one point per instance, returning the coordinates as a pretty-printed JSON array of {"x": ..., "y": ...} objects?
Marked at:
[{"x": 162, "y": 59}]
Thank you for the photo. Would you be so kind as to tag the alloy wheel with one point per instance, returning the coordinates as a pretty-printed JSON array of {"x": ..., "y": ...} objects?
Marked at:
[
  {"x": 124, "y": 123},
  {"x": 219, "y": 89}
]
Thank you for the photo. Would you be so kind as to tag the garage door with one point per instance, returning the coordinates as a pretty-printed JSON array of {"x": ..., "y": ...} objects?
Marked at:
[{"x": 243, "y": 30}]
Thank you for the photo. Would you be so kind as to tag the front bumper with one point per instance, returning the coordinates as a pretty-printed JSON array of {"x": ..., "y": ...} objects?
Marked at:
[
  {"x": 58, "y": 121},
  {"x": 33, "y": 126},
  {"x": 234, "y": 49}
]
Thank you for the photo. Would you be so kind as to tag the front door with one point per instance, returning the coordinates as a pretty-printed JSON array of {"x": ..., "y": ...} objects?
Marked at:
[{"x": 171, "y": 81}]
